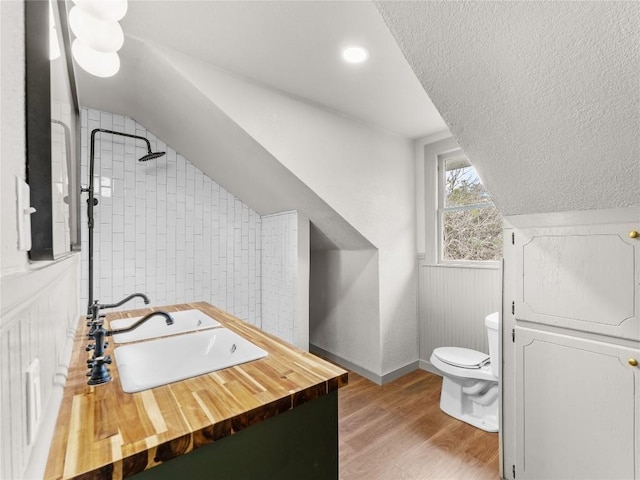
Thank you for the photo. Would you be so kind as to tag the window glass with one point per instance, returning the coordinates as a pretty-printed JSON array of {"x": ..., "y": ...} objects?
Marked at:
[
  {"x": 462, "y": 184},
  {"x": 470, "y": 225}
]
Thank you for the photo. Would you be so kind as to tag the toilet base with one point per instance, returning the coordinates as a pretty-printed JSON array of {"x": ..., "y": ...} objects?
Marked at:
[{"x": 482, "y": 414}]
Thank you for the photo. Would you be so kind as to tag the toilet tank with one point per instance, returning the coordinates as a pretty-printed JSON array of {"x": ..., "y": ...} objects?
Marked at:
[{"x": 492, "y": 322}]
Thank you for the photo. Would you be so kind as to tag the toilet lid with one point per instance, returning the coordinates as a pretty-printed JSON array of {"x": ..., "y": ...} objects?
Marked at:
[{"x": 461, "y": 357}]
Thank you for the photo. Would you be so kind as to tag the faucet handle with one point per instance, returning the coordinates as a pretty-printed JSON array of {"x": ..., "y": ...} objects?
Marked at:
[
  {"x": 92, "y": 362},
  {"x": 91, "y": 321},
  {"x": 90, "y": 347}
]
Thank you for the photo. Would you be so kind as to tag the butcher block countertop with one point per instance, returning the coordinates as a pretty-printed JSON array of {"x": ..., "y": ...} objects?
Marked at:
[{"x": 104, "y": 433}]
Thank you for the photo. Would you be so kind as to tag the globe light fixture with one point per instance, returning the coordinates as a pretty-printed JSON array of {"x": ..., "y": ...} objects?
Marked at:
[
  {"x": 113, "y": 10},
  {"x": 98, "y": 34},
  {"x": 101, "y": 35},
  {"x": 100, "y": 64}
]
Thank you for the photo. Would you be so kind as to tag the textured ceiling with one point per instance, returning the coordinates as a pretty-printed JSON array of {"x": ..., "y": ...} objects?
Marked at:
[
  {"x": 295, "y": 47},
  {"x": 542, "y": 96}
]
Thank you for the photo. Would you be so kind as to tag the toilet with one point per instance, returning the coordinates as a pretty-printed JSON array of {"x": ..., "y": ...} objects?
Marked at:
[{"x": 470, "y": 380}]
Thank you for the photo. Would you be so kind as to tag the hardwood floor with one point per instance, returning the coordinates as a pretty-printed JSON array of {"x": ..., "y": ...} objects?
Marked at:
[{"x": 398, "y": 432}]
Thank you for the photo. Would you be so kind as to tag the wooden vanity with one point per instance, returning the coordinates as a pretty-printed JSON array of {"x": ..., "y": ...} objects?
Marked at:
[{"x": 270, "y": 418}]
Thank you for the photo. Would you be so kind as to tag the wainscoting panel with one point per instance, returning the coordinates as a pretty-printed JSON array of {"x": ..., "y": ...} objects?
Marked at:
[
  {"x": 453, "y": 303},
  {"x": 38, "y": 318}
]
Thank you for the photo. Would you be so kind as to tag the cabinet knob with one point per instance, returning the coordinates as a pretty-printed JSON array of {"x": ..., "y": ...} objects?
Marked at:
[
  {"x": 634, "y": 234},
  {"x": 633, "y": 362}
]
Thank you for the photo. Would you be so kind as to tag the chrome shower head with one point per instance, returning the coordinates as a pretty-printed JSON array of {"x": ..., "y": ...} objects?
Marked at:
[{"x": 151, "y": 156}]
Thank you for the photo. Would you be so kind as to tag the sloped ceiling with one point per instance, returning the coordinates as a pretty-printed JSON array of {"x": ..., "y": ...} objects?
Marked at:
[
  {"x": 295, "y": 47},
  {"x": 542, "y": 96},
  {"x": 290, "y": 47},
  {"x": 183, "y": 117}
]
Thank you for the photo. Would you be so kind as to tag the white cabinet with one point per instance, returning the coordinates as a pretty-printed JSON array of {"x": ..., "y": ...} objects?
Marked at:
[
  {"x": 571, "y": 387},
  {"x": 578, "y": 407},
  {"x": 584, "y": 278}
]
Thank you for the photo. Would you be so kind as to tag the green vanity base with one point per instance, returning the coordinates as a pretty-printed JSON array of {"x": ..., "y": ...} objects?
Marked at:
[{"x": 300, "y": 444}]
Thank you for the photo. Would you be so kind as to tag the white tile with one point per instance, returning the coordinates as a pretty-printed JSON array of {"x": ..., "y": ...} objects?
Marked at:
[{"x": 169, "y": 229}]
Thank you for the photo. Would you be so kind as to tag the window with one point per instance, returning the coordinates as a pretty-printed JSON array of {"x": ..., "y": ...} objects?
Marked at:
[{"x": 470, "y": 226}]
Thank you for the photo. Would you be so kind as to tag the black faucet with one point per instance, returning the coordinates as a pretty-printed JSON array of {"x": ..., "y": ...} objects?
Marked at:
[
  {"x": 168, "y": 318},
  {"x": 125, "y": 300},
  {"x": 94, "y": 317},
  {"x": 99, "y": 372}
]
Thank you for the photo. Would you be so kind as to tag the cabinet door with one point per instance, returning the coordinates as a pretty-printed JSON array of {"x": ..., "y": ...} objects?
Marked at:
[
  {"x": 584, "y": 278},
  {"x": 577, "y": 408}
]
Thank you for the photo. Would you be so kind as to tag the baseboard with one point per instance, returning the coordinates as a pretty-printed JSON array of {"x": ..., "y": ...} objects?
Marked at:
[
  {"x": 399, "y": 372},
  {"x": 345, "y": 364},
  {"x": 428, "y": 366},
  {"x": 375, "y": 378}
]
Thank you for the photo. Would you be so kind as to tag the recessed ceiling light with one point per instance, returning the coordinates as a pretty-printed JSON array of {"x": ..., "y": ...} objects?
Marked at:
[{"x": 355, "y": 54}]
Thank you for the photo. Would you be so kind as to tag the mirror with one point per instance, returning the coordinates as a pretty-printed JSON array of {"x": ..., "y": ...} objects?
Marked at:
[{"x": 53, "y": 132}]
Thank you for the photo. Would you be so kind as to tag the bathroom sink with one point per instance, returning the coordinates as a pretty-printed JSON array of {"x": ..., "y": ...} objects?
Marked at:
[
  {"x": 184, "y": 321},
  {"x": 167, "y": 360}
]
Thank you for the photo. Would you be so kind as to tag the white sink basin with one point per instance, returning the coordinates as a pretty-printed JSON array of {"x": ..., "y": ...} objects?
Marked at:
[
  {"x": 167, "y": 360},
  {"x": 184, "y": 321}
]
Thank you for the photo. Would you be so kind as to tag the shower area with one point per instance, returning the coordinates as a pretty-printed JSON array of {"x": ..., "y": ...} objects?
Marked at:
[{"x": 164, "y": 228}]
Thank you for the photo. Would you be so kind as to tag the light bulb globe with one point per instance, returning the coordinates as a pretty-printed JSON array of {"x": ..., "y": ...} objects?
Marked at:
[
  {"x": 101, "y": 35},
  {"x": 96, "y": 63},
  {"x": 112, "y": 10}
]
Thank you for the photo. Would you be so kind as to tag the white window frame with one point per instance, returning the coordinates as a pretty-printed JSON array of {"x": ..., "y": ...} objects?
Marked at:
[{"x": 442, "y": 158}]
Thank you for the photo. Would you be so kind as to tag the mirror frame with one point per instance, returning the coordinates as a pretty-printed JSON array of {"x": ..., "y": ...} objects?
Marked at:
[{"x": 38, "y": 128}]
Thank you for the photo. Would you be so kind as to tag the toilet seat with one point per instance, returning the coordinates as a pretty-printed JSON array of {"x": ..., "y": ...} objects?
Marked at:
[
  {"x": 462, "y": 357},
  {"x": 483, "y": 373}
]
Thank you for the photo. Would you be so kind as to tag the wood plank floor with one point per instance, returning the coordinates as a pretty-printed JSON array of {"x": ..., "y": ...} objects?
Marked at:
[{"x": 398, "y": 432}]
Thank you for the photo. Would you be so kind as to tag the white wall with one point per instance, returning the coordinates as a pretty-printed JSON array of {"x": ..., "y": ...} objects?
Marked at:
[
  {"x": 13, "y": 131},
  {"x": 344, "y": 311},
  {"x": 164, "y": 228},
  {"x": 38, "y": 302},
  {"x": 285, "y": 277},
  {"x": 365, "y": 174}
]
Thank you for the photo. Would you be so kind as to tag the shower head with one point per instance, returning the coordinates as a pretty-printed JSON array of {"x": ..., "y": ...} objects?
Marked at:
[
  {"x": 92, "y": 201},
  {"x": 151, "y": 156}
]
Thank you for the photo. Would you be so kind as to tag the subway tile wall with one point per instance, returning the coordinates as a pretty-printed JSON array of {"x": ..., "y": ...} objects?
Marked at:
[
  {"x": 164, "y": 228},
  {"x": 279, "y": 274}
]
